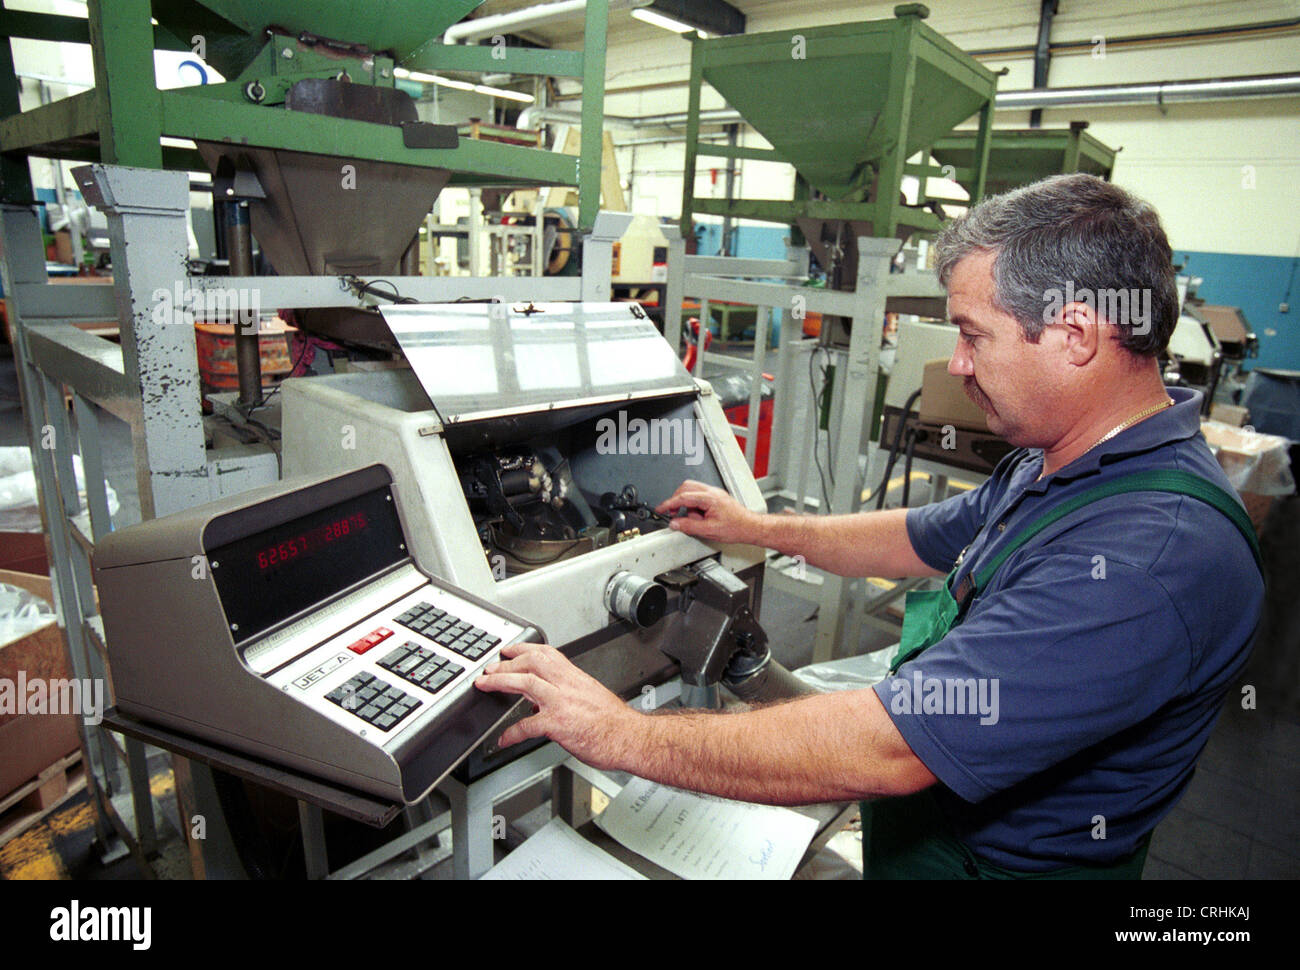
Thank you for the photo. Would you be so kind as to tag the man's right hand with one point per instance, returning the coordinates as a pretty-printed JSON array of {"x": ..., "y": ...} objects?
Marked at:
[{"x": 711, "y": 513}]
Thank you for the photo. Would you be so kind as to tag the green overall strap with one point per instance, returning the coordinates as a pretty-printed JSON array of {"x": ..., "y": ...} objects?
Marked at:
[{"x": 1178, "y": 482}]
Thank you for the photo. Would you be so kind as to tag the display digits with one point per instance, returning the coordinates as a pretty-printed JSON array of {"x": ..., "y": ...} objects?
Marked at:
[{"x": 311, "y": 541}]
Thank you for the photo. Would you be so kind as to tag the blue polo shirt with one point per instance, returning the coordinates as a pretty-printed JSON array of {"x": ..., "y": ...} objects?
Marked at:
[{"x": 1084, "y": 681}]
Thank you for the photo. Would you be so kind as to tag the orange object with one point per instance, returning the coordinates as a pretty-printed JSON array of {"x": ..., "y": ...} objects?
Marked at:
[
  {"x": 688, "y": 360},
  {"x": 218, "y": 368},
  {"x": 739, "y": 416}
]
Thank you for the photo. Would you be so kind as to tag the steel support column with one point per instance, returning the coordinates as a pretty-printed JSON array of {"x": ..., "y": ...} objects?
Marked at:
[
  {"x": 874, "y": 257},
  {"x": 146, "y": 212},
  {"x": 593, "y": 112},
  {"x": 121, "y": 41}
]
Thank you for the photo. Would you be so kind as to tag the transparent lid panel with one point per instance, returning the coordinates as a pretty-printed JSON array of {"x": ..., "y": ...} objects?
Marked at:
[{"x": 476, "y": 360}]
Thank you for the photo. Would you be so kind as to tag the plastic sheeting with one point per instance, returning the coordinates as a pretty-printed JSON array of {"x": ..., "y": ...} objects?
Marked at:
[
  {"x": 1257, "y": 464},
  {"x": 849, "y": 673},
  {"x": 21, "y": 613},
  {"x": 19, "y": 511}
]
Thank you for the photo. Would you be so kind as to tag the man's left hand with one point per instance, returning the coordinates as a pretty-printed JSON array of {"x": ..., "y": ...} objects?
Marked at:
[{"x": 573, "y": 709}]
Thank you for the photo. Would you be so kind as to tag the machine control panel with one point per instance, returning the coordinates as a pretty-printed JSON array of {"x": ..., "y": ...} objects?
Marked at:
[
  {"x": 397, "y": 666},
  {"x": 311, "y": 640}
]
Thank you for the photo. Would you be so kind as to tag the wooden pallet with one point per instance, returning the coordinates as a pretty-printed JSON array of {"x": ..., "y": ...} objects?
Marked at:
[{"x": 28, "y": 804}]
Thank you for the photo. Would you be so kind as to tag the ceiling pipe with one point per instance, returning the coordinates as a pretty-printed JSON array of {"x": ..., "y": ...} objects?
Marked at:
[
  {"x": 533, "y": 116},
  {"x": 469, "y": 31},
  {"x": 1167, "y": 92},
  {"x": 715, "y": 116}
]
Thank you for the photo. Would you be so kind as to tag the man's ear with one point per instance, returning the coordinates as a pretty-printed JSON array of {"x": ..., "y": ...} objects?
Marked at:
[{"x": 1082, "y": 333}]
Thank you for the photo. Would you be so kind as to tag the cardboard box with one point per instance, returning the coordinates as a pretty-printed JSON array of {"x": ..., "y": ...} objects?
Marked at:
[
  {"x": 30, "y": 743},
  {"x": 1230, "y": 414},
  {"x": 63, "y": 248},
  {"x": 24, "y": 552},
  {"x": 944, "y": 400},
  {"x": 1257, "y": 465}
]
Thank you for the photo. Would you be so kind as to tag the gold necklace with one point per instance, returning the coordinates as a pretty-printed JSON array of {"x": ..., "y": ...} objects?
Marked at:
[{"x": 1146, "y": 413}]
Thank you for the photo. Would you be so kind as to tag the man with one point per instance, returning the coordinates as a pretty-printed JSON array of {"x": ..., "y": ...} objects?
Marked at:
[{"x": 1105, "y": 615}]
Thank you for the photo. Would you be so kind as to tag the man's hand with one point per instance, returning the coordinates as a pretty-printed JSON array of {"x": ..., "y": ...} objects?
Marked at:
[
  {"x": 711, "y": 514},
  {"x": 573, "y": 709}
]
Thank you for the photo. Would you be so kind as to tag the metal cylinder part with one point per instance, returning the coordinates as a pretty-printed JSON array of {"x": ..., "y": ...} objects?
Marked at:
[
  {"x": 636, "y": 599},
  {"x": 761, "y": 680},
  {"x": 248, "y": 352},
  {"x": 696, "y": 697}
]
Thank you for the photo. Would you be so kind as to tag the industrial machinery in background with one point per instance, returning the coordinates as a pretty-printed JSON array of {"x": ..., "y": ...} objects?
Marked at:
[
  {"x": 317, "y": 156},
  {"x": 847, "y": 106},
  {"x": 1020, "y": 156},
  {"x": 927, "y": 416},
  {"x": 1208, "y": 348},
  {"x": 898, "y": 87}
]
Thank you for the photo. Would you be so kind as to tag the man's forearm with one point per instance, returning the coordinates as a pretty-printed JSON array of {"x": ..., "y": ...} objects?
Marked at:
[
  {"x": 826, "y": 748},
  {"x": 862, "y": 544}
]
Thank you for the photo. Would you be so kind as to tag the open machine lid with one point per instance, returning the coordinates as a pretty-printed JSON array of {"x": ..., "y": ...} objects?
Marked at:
[{"x": 481, "y": 360}]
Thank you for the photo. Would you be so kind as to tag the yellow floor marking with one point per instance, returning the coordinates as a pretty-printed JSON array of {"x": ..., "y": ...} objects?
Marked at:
[{"x": 32, "y": 856}]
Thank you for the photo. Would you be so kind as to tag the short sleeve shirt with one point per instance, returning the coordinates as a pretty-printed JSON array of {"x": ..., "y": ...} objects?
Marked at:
[{"x": 1063, "y": 716}]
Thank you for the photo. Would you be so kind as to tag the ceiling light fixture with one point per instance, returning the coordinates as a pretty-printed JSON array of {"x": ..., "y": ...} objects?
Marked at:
[
  {"x": 646, "y": 15},
  {"x": 448, "y": 82}
]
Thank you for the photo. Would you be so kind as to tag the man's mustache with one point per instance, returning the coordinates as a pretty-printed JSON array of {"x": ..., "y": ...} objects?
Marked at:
[{"x": 974, "y": 393}]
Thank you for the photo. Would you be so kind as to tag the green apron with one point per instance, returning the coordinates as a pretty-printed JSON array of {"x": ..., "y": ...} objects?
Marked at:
[{"x": 909, "y": 837}]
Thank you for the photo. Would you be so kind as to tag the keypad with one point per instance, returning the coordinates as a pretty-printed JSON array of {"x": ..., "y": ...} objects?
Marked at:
[
  {"x": 373, "y": 700},
  {"x": 446, "y": 630},
  {"x": 421, "y": 666}
]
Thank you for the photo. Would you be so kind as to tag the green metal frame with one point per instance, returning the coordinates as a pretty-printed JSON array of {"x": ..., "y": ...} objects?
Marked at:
[
  {"x": 122, "y": 119},
  {"x": 907, "y": 43},
  {"x": 1020, "y": 156}
]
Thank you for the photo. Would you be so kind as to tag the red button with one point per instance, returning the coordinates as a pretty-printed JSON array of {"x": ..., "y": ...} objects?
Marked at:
[{"x": 371, "y": 639}]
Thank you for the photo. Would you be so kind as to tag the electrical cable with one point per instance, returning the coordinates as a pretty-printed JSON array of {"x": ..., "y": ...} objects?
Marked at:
[
  {"x": 907, "y": 467},
  {"x": 360, "y": 286},
  {"x": 883, "y": 487},
  {"x": 824, "y": 407},
  {"x": 302, "y": 355},
  {"x": 816, "y": 406}
]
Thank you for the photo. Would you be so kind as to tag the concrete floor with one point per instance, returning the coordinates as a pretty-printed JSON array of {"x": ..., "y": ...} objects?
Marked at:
[{"x": 1240, "y": 818}]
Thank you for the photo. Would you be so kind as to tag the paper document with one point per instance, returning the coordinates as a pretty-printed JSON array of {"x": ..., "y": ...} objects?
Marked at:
[
  {"x": 698, "y": 837},
  {"x": 555, "y": 851}
]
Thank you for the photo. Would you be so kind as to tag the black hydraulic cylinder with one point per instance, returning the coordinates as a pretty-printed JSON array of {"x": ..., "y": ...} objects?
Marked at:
[{"x": 248, "y": 356}]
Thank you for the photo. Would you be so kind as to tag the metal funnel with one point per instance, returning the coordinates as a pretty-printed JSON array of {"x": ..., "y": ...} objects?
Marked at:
[
  {"x": 233, "y": 30},
  {"x": 823, "y": 96},
  {"x": 314, "y": 215},
  {"x": 1019, "y": 157}
]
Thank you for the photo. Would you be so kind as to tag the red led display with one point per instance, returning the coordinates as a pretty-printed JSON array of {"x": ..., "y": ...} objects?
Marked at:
[{"x": 312, "y": 541}]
